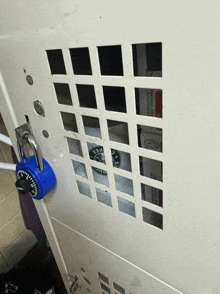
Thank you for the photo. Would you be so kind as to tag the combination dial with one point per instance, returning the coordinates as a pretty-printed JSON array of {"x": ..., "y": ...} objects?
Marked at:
[{"x": 26, "y": 183}]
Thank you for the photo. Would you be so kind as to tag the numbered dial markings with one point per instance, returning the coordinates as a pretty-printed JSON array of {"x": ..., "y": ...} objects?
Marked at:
[{"x": 28, "y": 183}]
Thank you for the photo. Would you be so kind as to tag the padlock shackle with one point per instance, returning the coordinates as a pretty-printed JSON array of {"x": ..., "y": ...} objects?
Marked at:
[
  {"x": 20, "y": 150},
  {"x": 37, "y": 153}
]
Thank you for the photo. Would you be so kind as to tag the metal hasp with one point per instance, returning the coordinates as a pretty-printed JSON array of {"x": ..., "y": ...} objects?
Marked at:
[{"x": 25, "y": 136}]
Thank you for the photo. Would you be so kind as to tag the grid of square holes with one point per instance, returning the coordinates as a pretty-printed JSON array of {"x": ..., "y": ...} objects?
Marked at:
[
  {"x": 112, "y": 117},
  {"x": 108, "y": 287}
]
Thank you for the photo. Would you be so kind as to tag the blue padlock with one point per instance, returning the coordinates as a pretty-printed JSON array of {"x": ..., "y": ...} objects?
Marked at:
[{"x": 34, "y": 174}]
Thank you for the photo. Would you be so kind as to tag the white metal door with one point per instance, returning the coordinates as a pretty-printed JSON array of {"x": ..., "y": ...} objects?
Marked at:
[{"x": 134, "y": 142}]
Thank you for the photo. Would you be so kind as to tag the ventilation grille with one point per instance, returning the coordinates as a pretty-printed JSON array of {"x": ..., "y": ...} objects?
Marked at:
[{"x": 113, "y": 123}]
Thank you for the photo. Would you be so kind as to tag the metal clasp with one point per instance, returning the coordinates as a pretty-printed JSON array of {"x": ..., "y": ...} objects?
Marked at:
[{"x": 25, "y": 136}]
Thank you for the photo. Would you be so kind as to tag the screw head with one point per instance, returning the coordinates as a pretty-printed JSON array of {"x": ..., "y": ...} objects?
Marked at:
[
  {"x": 38, "y": 107},
  {"x": 45, "y": 133},
  {"x": 29, "y": 80}
]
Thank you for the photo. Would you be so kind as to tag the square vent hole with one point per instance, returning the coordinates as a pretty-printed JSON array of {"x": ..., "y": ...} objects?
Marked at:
[
  {"x": 103, "y": 278},
  {"x": 152, "y": 195},
  {"x": 63, "y": 93},
  {"x": 86, "y": 95},
  {"x": 149, "y": 138},
  {"x": 91, "y": 126},
  {"x": 79, "y": 168},
  {"x": 118, "y": 131},
  {"x": 124, "y": 185},
  {"x": 104, "y": 197},
  {"x": 75, "y": 146},
  {"x": 149, "y": 102},
  {"x": 126, "y": 206},
  {"x": 96, "y": 152},
  {"x": 100, "y": 176},
  {"x": 110, "y": 59},
  {"x": 118, "y": 288},
  {"x": 150, "y": 168},
  {"x": 121, "y": 159},
  {"x": 81, "y": 61},
  {"x": 84, "y": 189},
  {"x": 56, "y": 62},
  {"x": 69, "y": 121},
  {"x": 147, "y": 59},
  {"x": 153, "y": 218},
  {"x": 114, "y": 98},
  {"x": 104, "y": 287}
]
